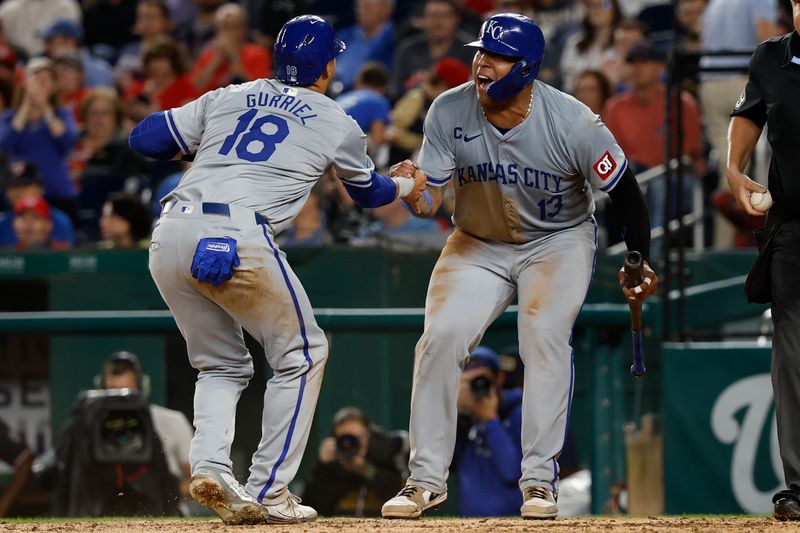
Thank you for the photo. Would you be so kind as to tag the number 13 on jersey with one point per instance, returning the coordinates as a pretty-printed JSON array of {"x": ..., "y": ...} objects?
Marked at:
[
  {"x": 550, "y": 207},
  {"x": 255, "y": 145}
]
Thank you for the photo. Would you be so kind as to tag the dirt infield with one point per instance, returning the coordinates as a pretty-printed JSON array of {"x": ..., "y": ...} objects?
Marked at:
[{"x": 342, "y": 525}]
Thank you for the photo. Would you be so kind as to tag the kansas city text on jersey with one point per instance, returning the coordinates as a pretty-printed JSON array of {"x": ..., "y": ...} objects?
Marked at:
[{"x": 510, "y": 174}]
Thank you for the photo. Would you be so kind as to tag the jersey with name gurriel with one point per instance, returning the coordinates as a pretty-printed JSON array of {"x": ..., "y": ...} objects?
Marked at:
[
  {"x": 536, "y": 177},
  {"x": 263, "y": 145}
]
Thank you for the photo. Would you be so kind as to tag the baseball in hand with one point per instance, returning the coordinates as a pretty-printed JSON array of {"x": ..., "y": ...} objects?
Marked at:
[{"x": 761, "y": 201}]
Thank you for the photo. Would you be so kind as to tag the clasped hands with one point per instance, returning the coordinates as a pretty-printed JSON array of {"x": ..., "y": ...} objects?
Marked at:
[{"x": 409, "y": 169}]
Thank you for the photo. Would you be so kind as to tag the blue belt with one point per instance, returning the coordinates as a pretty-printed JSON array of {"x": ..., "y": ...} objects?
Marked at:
[{"x": 215, "y": 208}]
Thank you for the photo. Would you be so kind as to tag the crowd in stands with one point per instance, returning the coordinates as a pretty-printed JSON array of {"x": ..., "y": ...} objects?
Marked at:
[{"x": 75, "y": 76}]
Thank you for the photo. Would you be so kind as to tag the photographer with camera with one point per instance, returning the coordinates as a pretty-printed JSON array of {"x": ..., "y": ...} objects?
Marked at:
[
  {"x": 488, "y": 448},
  {"x": 119, "y": 455},
  {"x": 359, "y": 467},
  {"x": 122, "y": 370}
]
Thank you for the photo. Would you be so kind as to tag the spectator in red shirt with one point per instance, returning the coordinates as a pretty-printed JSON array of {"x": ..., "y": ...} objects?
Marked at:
[
  {"x": 637, "y": 121},
  {"x": 636, "y": 118},
  {"x": 152, "y": 25},
  {"x": 166, "y": 84},
  {"x": 230, "y": 58},
  {"x": 33, "y": 225}
]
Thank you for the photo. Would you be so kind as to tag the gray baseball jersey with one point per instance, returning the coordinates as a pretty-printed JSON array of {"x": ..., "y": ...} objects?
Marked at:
[
  {"x": 263, "y": 145},
  {"x": 535, "y": 177},
  {"x": 260, "y": 147},
  {"x": 525, "y": 231}
]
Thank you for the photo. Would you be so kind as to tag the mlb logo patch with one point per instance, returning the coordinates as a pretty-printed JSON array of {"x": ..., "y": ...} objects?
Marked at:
[
  {"x": 218, "y": 247},
  {"x": 605, "y": 166},
  {"x": 291, "y": 91},
  {"x": 187, "y": 209}
]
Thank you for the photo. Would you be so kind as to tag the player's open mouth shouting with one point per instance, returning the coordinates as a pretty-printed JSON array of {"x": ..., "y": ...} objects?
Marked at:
[{"x": 482, "y": 81}]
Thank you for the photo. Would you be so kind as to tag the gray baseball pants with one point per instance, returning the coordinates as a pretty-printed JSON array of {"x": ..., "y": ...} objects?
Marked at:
[
  {"x": 473, "y": 282},
  {"x": 265, "y": 298}
]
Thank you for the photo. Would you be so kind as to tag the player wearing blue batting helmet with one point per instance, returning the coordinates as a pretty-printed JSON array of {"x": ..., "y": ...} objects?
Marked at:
[
  {"x": 303, "y": 48},
  {"x": 517, "y": 37}
]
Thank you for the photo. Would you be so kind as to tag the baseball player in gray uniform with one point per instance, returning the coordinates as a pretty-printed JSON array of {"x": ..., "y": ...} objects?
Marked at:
[
  {"x": 260, "y": 147},
  {"x": 523, "y": 158}
]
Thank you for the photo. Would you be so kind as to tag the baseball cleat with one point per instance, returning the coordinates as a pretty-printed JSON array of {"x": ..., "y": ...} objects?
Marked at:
[
  {"x": 540, "y": 503},
  {"x": 787, "y": 508},
  {"x": 221, "y": 492},
  {"x": 411, "y": 502},
  {"x": 285, "y": 508}
]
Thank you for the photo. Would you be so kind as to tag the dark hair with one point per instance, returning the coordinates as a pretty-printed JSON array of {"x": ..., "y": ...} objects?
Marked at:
[
  {"x": 160, "y": 4},
  {"x": 165, "y": 48},
  {"x": 120, "y": 363},
  {"x": 131, "y": 208},
  {"x": 587, "y": 30},
  {"x": 116, "y": 367},
  {"x": 20, "y": 174},
  {"x": 602, "y": 81},
  {"x": 348, "y": 413},
  {"x": 374, "y": 75}
]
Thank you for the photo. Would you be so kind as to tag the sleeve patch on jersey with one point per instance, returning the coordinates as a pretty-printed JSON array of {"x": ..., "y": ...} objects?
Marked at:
[{"x": 605, "y": 166}]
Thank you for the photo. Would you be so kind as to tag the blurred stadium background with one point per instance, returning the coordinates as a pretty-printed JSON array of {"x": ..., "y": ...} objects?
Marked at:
[{"x": 696, "y": 435}]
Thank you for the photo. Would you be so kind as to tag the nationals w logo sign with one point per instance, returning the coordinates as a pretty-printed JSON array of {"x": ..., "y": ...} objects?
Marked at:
[
  {"x": 742, "y": 413},
  {"x": 605, "y": 166}
]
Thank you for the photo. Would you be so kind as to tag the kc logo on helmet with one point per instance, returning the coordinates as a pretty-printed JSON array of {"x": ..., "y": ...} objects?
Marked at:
[
  {"x": 494, "y": 30},
  {"x": 605, "y": 166}
]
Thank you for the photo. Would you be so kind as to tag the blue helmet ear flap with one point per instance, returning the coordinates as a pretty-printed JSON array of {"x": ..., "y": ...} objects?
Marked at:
[{"x": 521, "y": 75}]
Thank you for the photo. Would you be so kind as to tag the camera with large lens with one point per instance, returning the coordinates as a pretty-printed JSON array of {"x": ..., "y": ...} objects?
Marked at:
[
  {"x": 481, "y": 387},
  {"x": 347, "y": 446},
  {"x": 119, "y": 425},
  {"x": 112, "y": 461}
]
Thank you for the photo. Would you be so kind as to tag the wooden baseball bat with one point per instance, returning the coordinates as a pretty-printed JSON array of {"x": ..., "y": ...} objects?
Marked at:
[{"x": 634, "y": 268}]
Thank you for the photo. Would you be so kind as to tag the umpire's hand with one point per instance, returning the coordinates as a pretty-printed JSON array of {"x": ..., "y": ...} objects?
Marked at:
[{"x": 742, "y": 187}]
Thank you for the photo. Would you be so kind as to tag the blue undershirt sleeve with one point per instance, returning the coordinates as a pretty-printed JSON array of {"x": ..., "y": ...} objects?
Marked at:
[
  {"x": 152, "y": 138},
  {"x": 381, "y": 190}
]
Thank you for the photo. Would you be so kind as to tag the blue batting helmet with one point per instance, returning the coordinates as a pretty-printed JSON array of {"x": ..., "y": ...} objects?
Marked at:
[
  {"x": 304, "y": 46},
  {"x": 514, "y": 36}
]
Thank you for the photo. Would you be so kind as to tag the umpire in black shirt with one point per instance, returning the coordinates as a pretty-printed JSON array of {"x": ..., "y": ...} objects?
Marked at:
[{"x": 772, "y": 97}]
